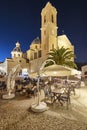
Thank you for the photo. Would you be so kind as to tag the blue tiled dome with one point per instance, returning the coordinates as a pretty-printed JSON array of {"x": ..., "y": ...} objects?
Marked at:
[
  {"x": 17, "y": 48},
  {"x": 36, "y": 41}
]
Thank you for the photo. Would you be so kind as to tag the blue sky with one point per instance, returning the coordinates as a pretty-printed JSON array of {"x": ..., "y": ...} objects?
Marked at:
[{"x": 20, "y": 20}]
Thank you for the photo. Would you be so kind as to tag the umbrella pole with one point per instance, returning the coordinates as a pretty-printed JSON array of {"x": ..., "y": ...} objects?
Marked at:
[
  {"x": 39, "y": 106},
  {"x": 38, "y": 101}
]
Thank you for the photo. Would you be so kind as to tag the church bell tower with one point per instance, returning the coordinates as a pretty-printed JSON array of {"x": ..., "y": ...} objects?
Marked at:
[{"x": 48, "y": 28}]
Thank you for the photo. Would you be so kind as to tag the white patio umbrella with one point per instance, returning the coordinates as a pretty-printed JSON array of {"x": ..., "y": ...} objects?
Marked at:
[
  {"x": 56, "y": 70},
  {"x": 52, "y": 70},
  {"x": 75, "y": 73}
]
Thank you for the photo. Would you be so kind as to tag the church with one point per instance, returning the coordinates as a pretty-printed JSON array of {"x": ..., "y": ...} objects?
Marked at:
[
  {"x": 32, "y": 60},
  {"x": 39, "y": 49}
]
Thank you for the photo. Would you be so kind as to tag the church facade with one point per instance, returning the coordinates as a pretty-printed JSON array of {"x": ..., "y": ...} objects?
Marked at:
[
  {"x": 17, "y": 57},
  {"x": 39, "y": 48}
]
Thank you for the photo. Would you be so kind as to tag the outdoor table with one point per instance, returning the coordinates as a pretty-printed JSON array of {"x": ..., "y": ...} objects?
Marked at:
[
  {"x": 60, "y": 95},
  {"x": 55, "y": 95}
]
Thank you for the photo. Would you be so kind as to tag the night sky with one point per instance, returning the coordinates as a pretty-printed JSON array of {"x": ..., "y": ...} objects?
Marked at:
[{"x": 20, "y": 20}]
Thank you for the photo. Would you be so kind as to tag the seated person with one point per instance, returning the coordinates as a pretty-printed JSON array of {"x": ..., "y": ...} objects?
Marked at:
[
  {"x": 18, "y": 88},
  {"x": 31, "y": 90},
  {"x": 47, "y": 89}
]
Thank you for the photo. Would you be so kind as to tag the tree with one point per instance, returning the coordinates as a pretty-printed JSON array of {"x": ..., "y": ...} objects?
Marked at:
[{"x": 63, "y": 56}]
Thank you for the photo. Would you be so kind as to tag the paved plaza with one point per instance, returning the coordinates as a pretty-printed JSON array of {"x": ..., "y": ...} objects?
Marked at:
[{"x": 15, "y": 114}]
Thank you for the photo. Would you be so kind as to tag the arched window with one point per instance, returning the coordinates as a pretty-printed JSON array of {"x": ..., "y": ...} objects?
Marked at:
[
  {"x": 52, "y": 19},
  {"x": 44, "y": 32},
  {"x": 19, "y": 60},
  {"x": 35, "y": 55},
  {"x": 31, "y": 57},
  {"x": 45, "y": 19},
  {"x": 52, "y": 46},
  {"x": 18, "y": 55},
  {"x": 36, "y": 47},
  {"x": 44, "y": 46},
  {"x": 85, "y": 72},
  {"x": 39, "y": 53}
]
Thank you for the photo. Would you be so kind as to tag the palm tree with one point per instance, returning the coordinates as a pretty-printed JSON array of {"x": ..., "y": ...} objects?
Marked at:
[{"x": 62, "y": 56}]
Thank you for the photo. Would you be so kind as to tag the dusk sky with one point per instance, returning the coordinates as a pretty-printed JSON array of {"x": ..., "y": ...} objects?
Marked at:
[{"x": 20, "y": 20}]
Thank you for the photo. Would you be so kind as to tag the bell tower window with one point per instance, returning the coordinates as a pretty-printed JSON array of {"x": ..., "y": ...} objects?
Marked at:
[
  {"x": 52, "y": 19},
  {"x": 45, "y": 19},
  {"x": 45, "y": 32}
]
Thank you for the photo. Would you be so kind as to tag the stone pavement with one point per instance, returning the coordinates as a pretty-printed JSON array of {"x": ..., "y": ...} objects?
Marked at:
[{"x": 15, "y": 114}]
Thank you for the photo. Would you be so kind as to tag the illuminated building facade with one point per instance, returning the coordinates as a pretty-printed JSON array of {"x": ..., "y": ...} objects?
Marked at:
[{"x": 39, "y": 50}]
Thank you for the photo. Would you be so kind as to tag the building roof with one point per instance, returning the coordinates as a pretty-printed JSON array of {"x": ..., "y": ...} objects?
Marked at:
[
  {"x": 63, "y": 40},
  {"x": 36, "y": 41},
  {"x": 49, "y": 7},
  {"x": 17, "y": 48}
]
